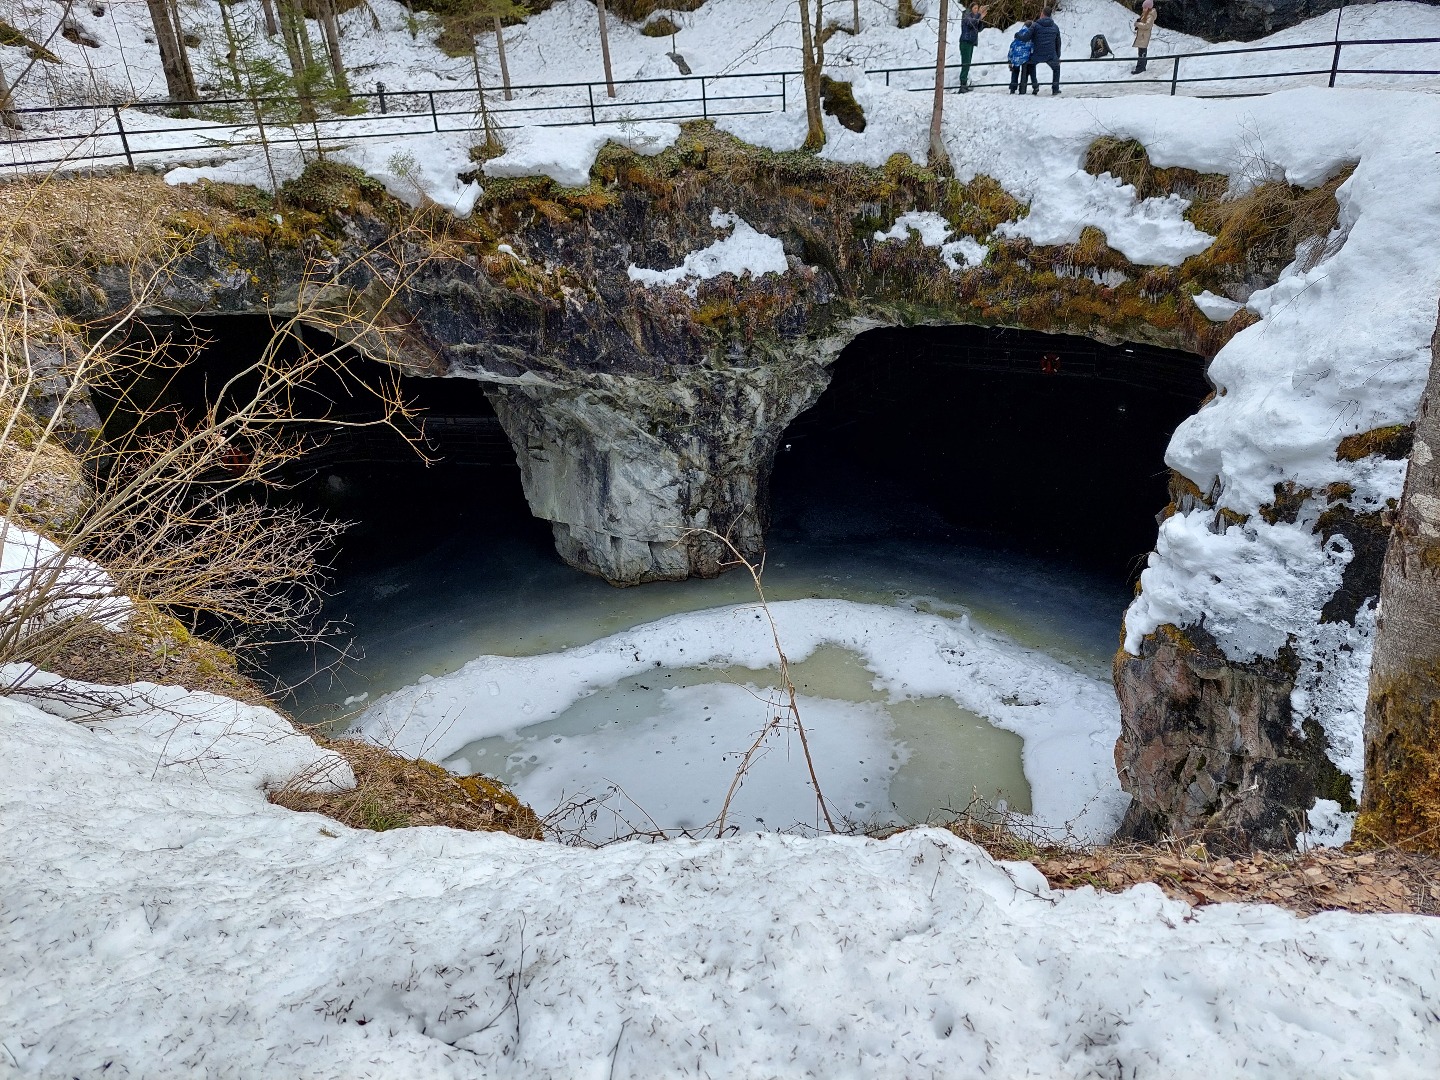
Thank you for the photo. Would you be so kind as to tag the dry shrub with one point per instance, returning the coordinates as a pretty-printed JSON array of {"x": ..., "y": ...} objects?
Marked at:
[
  {"x": 640, "y": 10},
  {"x": 664, "y": 26},
  {"x": 1260, "y": 231},
  {"x": 394, "y": 792}
]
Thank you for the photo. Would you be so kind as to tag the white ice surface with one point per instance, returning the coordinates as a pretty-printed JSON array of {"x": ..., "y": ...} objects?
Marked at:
[
  {"x": 167, "y": 921},
  {"x": 744, "y": 251},
  {"x": 1069, "y": 721}
]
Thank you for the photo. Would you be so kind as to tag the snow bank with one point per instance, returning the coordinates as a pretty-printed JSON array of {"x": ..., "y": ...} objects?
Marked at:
[
  {"x": 216, "y": 740},
  {"x": 1069, "y": 721},
  {"x": 566, "y": 155},
  {"x": 33, "y": 569},
  {"x": 744, "y": 251},
  {"x": 171, "y": 922}
]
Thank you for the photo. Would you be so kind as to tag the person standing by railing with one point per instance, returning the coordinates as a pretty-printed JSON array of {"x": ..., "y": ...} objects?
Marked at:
[
  {"x": 971, "y": 24},
  {"x": 1045, "y": 36},
  {"x": 1143, "y": 26},
  {"x": 1022, "y": 67}
]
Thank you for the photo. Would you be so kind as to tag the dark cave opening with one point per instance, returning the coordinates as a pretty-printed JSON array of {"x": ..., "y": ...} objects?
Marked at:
[
  {"x": 400, "y": 498},
  {"x": 1045, "y": 444}
]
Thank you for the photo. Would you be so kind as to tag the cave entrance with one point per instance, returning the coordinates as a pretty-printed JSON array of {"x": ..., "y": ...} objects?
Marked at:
[
  {"x": 433, "y": 526},
  {"x": 1035, "y": 444}
]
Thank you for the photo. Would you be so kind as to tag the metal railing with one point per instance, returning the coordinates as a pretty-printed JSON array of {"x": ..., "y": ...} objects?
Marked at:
[
  {"x": 388, "y": 113},
  {"x": 1173, "y": 79}
]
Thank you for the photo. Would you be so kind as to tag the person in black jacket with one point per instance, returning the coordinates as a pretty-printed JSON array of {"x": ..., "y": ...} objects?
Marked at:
[
  {"x": 1045, "y": 36},
  {"x": 971, "y": 23}
]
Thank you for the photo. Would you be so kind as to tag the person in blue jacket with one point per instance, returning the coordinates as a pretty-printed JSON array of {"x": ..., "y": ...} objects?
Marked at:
[
  {"x": 970, "y": 25},
  {"x": 1021, "y": 66},
  {"x": 1045, "y": 39}
]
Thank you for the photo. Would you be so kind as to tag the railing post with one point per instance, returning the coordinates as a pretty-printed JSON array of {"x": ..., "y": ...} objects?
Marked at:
[
  {"x": 1335, "y": 63},
  {"x": 590, "y": 92},
  {"x": 434, "y": 117},
  {"x": 704, "y": 105},
  {"x": 887, "y": 78},
  {"x": 124, "y": 142},
  {"x": 783, "y": 81},
  {"x": 380, "y": 89},
  {"x": 1174, "y": 76}
]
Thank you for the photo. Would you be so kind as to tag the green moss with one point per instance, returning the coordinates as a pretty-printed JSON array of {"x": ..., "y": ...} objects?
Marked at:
[
  {"x": 328, "y": 186},
  {"x": 1393, "y": 443},
  {"x": 13, "y": 37},
  {"x": 837, "y": 99},
  {"x": 1402, "y": 793}
]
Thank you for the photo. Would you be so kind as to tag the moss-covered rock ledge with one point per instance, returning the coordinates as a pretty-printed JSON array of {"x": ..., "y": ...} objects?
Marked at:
[{"x": 639, "y": 414}]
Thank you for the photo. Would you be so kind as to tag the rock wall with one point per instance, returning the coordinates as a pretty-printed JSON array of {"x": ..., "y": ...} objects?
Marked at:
[
  {"x": 636, "y": 474},
  {"x": 1243, "y": 20},
  {"x": 1210, "y": 750}
]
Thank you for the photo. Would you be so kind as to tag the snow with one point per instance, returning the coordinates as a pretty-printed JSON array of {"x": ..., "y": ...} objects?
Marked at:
[
  {"x": 65, "y": 586},
  {"x": 567, "y": 154},
  {"x": 1329, "y": 826},
  {"x": 1224, "y": 579},
  {"x": 744, "y": 251},
  {"x": 163, "y": 919},
  {"x": 1216, "y": 308},
  {"x": 1069, "y": 720},
  {"x": 933, "y": 231}
]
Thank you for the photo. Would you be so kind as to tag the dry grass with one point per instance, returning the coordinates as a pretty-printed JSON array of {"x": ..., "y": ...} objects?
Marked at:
[
  {"x": 153, "y": 649},
  {"x": 117, "y": 216},
  {"x": 394, "y": 792},
  {"x": 1326, "y": 879}
]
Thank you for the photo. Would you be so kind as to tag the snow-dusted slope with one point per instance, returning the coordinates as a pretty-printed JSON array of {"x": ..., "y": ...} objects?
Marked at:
[{"x": 161, "y": 919}]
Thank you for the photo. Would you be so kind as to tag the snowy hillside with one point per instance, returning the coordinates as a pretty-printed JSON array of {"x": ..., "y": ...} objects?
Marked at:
[{"x": 178, "y": 925}]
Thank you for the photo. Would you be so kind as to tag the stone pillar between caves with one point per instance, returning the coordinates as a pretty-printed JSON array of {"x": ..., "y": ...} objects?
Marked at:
[{"x": 623, "y": 465}]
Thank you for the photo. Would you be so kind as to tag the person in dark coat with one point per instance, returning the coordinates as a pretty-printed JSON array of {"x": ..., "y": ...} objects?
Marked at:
[
  {"x": 971, "y": 24},
  {"x": 1021, "y": 66},
  {"x": 1045, "y": 37}
]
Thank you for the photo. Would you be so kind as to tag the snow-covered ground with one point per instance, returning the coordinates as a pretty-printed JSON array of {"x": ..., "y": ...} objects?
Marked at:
[{"x": 161, "y": 919}]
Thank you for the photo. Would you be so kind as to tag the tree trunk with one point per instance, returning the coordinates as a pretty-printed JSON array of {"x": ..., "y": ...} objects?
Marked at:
[
  {"x": 271, "y": 26},
  {"x": 504, "y": 67},
  {"x": 810, "y": 73},
  {"x": 605, "y": 49},
  {"x": 330, "y": 28},
  {"x": 232, "y": 52},
  {"x": 183, "y": 49},
  {"x": 855, "y": 22},
  {"x": 179, "y": 84},
  {"x": 1401, "y": 804},
  {"x": 297, "y": 51},
  {"x": 939, "y": 159},
  {"x": 8, "y": 117}
]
